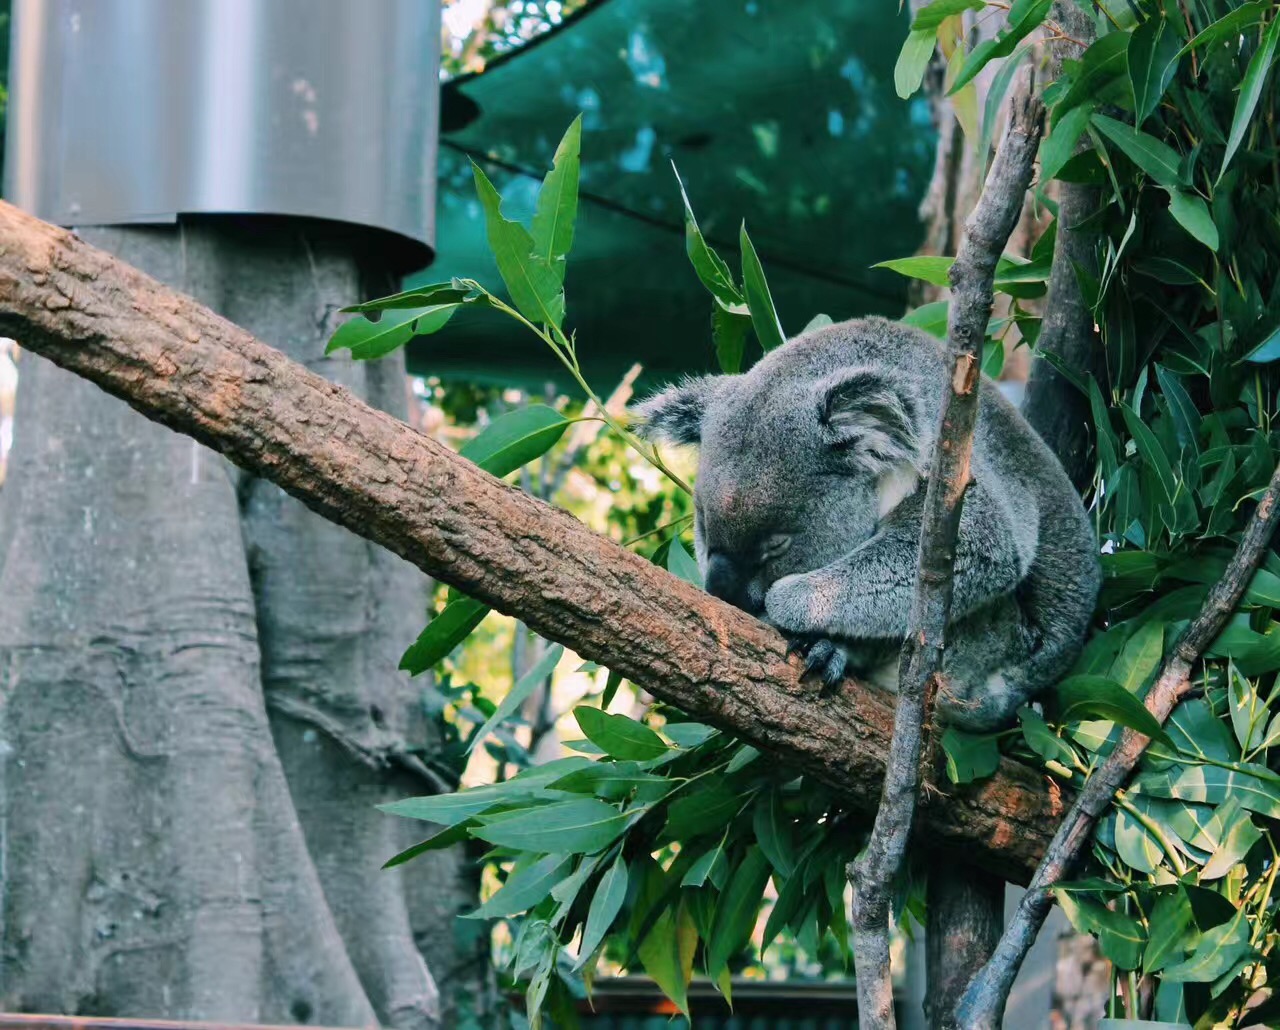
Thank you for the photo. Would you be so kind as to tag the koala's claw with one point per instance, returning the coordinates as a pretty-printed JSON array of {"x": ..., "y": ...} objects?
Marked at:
[{"x": 823, "y": 658}]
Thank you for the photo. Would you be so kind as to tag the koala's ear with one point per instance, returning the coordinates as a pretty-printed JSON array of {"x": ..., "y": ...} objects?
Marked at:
[
  {"x": 676, "y": 414},
  {"x": 868, "y": 415}
]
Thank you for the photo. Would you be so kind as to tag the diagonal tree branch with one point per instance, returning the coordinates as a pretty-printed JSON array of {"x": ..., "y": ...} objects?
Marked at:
[
  {"x": 983, "y": 1003},
  {"x": 920, "y": 670},
  {"x": 182, "y": 365}
]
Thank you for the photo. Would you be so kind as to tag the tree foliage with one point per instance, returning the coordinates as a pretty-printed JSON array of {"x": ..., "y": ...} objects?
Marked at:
[{"x": 657, "y": 840}]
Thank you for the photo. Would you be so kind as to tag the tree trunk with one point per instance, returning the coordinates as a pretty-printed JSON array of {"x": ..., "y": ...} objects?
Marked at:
[{"x": 157, "y": 861}]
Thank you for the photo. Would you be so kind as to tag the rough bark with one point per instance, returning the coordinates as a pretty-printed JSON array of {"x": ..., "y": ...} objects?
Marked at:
[
  {"x": 186, "y": 367},
  {"x": 965, "y": 914},
  {"x": 983, "y": 1003},
  {"x": 1053, "y": 406},
  {"x": 143, "y": 802},
  {"x": 920, "y": 671}
]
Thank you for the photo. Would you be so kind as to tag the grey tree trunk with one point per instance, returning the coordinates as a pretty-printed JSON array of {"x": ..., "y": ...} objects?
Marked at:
[{"x": 199, "y": 696}]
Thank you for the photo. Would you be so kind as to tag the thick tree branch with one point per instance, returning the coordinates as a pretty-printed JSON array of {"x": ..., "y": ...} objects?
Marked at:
[
  {"x": 984, "y": 1000},
  {"x": 920, "y": 671},
  {"x": 182, "y": 365}
]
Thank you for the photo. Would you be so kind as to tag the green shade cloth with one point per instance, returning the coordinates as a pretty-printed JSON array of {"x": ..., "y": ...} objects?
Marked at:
[{"x": 779, "y": 112}]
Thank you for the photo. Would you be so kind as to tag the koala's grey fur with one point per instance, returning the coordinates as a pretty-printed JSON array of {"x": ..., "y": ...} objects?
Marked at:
[{"x": 808, "y": 498}]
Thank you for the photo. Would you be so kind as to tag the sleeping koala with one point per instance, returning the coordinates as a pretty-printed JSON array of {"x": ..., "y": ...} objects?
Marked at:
[{"x": 811, "y": 481}]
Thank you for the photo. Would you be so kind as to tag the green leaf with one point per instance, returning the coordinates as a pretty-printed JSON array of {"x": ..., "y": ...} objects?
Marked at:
[
  {"x": 606, "y": 903},
  {"x": 557, "y": 208},
  {"x": 612, "y": 781},
  {"x": 1249, "y": 714},
  {"x": 1025, "y": 17},
  {"x": 1120, "y": 936},
  {"x": 448, "y": 809},
  {"x": 932, "y": 15},
  {"x": 970, "y": 756},
  {"x": 709, "y": 266},
  {"x": 1229, "y": 27},
  {"x": 1153, "y": 60},
  {"x": 663, "y": 953},
  {"x": 689, "y": 734},
  {"x": 698, "y": 873},
  {"x": 1140, "y": 657},
  {"x": 763, "y": 316},
  {"x": 428, "y": 296},
  {"x": 1103, "y": 64},
  {"x": 931, "y": 269},
  {"x": 1043, "y": 741},
  {"x": 1136, "y": 845},
  {"x": 443, "y": 633},
  {"x": 518, "y": 694},
  {"x": 745, "y": 756},
  {"x": 1267, "y": 351},
  {"x": 1061, "y": 142},
  {"x": 773, "y": 832},
  {"x": 516, "y": 438},
  {"x": 729, "y": 334},
  {"x": 370, "y": 340},
  {"x": 1238, "y": 837},
  {"x": 570, "y": 827},
  {"x": 446, "y": 838},
  {"x": 1157, "y": 159},
  {"x": 611, "y": 685},
  {"x": 619, "y": 735},
  {"x": 993, "y": 359},
  {"x": 1171, "y": 931},
  {"x": 1108, "y": 445},
  {"x": 681, "y": 564},
  {"x": 527, "y": 885},
  {"x": 736, "y": 912},
  {"x": 1253, "y": 787},
  {"x": 535, "y": 286},
  {"x": 913, "y": 59},
  {"x": 995, "y": 97},
  {"x": 1219, "y": 949},
  {"x": 932, "y": 317},
  {"x": 1186, "y": 418},
  {"x": 1152, "y": 453},
  {"x": 1191, "y": 212},
  {"x": 817, "y": 322},
  {"x": 1250, "y": 90},
  {"x": 1096, "y": 697},
  {"x": 703, "y": 811}
]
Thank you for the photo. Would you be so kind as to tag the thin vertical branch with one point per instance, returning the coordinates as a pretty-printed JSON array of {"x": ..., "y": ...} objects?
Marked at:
[
  {"x": 983, "y": 1004},
  {"x": 985, "y": 235}
]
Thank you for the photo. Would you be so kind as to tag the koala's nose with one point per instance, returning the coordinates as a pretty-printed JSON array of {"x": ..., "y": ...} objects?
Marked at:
[{"x": 725, "y": 580}]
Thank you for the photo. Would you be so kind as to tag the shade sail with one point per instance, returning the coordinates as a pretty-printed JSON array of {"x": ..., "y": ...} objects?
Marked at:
[{"x": 779, "y": 112}]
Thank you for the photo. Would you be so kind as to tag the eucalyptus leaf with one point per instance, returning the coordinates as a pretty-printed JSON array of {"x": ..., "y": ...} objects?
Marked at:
[
  {"x": 619, "y": 735},
  {"x": 516, "y": 438},
  {"x": 1251, "y": 90},
  {"x": 606, "y": 903},
  {"x": 1157, "y": 159},
  {"x": 443, "y": 633},
  {"x": 519, "y": 694},
  {"x": 580, "y": 826},
  {"x": 557, "y": 206},
  {"x": 736, "y": 911},
  {"x": 763, "y": 316}
]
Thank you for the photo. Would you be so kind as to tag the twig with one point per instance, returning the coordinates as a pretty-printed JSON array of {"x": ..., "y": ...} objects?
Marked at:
[
  {"x": 985, "y": 235},
  {"x": 984, "y": 1000}
]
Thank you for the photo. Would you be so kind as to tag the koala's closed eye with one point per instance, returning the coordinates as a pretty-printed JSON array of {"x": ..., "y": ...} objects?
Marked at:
[{"x": 775, "y": 546}]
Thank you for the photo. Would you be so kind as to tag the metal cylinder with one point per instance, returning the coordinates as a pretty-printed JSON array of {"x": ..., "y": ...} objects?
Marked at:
[{"x": 135, "y": 111}]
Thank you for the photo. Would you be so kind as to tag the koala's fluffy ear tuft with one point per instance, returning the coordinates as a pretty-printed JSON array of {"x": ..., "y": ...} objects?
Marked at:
[
  {"x": 870, "y": 417},
  {"x": 676, "y": 414}
]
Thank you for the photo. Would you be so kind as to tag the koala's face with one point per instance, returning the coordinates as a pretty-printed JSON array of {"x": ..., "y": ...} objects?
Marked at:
[{"x": 793, "y": 472}]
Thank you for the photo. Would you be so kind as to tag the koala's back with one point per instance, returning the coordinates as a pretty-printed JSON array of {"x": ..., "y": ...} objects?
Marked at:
[{"x": 1055, "y": 536}]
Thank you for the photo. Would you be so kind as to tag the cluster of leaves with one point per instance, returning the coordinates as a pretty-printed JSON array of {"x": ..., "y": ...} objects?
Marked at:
[
  {"x": 658, "y": 848},
  {"x": 1171, "y": 116}
]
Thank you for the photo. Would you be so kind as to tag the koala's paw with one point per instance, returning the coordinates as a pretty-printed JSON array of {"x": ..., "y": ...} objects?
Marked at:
[
  {"x": 790, "y": 604},
  {"x": 822, "y": 658}
]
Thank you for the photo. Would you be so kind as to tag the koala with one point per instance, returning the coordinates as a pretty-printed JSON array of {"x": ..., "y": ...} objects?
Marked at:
[{"x": 808, "y": 500}]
